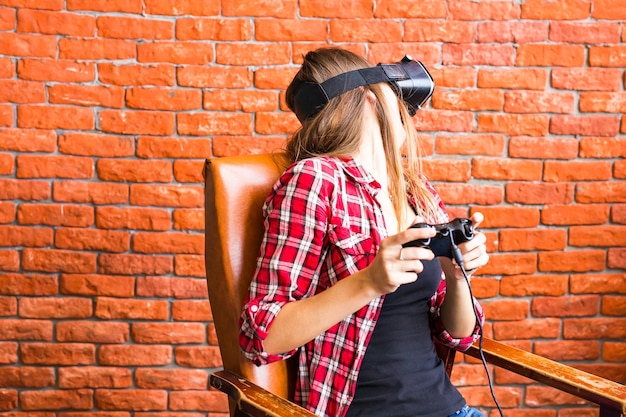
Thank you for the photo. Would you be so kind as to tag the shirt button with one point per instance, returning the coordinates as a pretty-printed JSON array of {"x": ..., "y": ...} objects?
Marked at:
[{"x": 254, "y": 308}]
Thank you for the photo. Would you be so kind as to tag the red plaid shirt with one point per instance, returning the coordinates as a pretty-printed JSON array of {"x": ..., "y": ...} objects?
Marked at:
[{"x": 323, "y": 224}]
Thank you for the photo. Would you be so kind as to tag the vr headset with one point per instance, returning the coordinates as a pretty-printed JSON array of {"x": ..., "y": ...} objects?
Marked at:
[{"x": 409, "y": 79}]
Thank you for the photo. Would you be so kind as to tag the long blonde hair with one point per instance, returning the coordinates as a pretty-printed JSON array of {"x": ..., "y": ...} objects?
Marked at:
[{"x": 336, "y": 130}]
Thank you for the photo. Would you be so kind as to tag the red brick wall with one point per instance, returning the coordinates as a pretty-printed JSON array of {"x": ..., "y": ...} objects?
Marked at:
[{"x": 108, "y": 109}]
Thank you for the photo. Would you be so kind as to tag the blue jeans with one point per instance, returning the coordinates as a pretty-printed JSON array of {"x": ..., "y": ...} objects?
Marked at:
[{"x": 467, "y": 411}]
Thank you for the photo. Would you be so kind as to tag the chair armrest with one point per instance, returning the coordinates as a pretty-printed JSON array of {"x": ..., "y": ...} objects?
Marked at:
[
  {"x": 609, "y": 395},
  {"x": 252, "y": 400}
]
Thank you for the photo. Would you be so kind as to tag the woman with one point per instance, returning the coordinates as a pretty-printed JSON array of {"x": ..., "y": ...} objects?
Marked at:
[{"x": 334, "y": 283}]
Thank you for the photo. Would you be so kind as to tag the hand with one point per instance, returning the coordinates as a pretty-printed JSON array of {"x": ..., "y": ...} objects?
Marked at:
[
  {"x": 474, "y": 253},
  {"x": 395, "y": 265}
]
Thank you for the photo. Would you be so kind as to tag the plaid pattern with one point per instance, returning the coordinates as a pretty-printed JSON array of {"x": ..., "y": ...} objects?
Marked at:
[{"x": 323, "y": 224}]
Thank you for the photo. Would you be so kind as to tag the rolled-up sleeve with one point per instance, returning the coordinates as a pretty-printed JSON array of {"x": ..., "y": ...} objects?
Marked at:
[{"x": 296, "y": 218}]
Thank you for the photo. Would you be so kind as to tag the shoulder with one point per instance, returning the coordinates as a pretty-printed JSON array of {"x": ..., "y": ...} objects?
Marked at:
[{"x": 318, "y": 172}]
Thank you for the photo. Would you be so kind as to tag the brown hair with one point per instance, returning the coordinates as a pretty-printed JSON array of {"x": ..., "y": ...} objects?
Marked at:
[{"x": 336, "y": 130}]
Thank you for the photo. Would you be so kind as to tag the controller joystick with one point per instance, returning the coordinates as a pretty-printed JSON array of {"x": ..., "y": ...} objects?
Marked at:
[{"x": 447, "y": 237}]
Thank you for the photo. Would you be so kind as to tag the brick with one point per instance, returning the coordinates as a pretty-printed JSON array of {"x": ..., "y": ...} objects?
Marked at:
[
  {"x": 545, "y": 328},
  {"x": 171, "y": 379},
  {"x": 618, "y": 213},
  {"x": 235, "y": 100},
  {"x": 87, "y": 144},
  {"x": 601, "y": 192},
  {"x": 470, "y": 10},
  {"x": 131, "y": 399},
  {"x": 97, "y": 285},
  {"x": 444, "y": 120},
  {"x": 538, "y": 102},
  {"x": 473, "y": 100},
  {"x": 587, "y": 79},
  {"x": 6, "y": 116},
  {"x": 607, "y": 9},
  {"x": 27, "y": 377},
  {"x": 137, "y": 74},
  {"x": 8, "y": 352},
  {"x": 514, "y": 124},
  {"x": 478, "y": 54},
  {"x": 90, "y": 192},
  {"x": 92, "y": 240},
  {"x": 159, "y": 147},
  {"x": 454, "y": 77},
  {"x": 192, "y": 310},
  {"x": 265, "y": 53},
  {"x": 616, "y": 258},
  {"x": 283, "y": 9},
  {"x": 594, "y": 328},
  {"x": 572, "y": 261},
  {"x": 81, "y": 399},
  {"x": 243, "y": 145},
  {"x": 584, "y": 32},
  {"x": 130, "y": 170},
  {"x": 513, "y": 78},
  {"x": 168, "y": 243},
  {"x": 119, "y": 27},
  {"x": 31, "y": 284},
  {"x": 9, "y": 260},
  {"x": 353, "y": 30},
  {"x": 55, "y": 308},
  {"x": 8, "y": 399},
  {"x": 425, "y": 30},
  {"x": 619, "y": 169},
  {"x": 533, "y": 285},
  {"x": 506, "y": 310},
  {"x": 163, "y": 99},
  {"x": 556, "y": 10},
  {"x": 273, "y": 78},
  {"x": 541, "y": 395},
  {"x": 131, "y": 264},
  {"x": 290, "y": 30},
  {"x": 188, "y": 219},
  {"x": 511, "y": 31},
  {"x": 539, "y": 193},
  {"x": 543, "y": 147},
  {"x": 211, "y": 401},
  {"x": 607, "y": 56},
  {"x": 94, "y": 96},
  {"x": 50, "y": 260},
  {"x": 137, "y": 122},
  {"x": 469, "y": 194},
  {"x": 550, "y": 55},
  {"x": 7, "y": 68},
  {"x": 569, "y": 306},
  {"x": 613, "y": 351},
  {"x": 135, "y": 218},
  {"x": 532, "y": 239},
  {"x": 7, "y": 164},
  {"x": 190, "y": 53},
  {"x": 111, "y": 308},
  {"x": 575, "y": 214},
  {"x": 473, "y": 144},
  {"x": 54, "y": 166},
  {"x": 556, "y": 171},
  {"x": 27, "y": 330},
  {"x": 598, "y": 283},
  {"x": 171, "y": 287},
  {"x": 166, "y": 195},
  {"x": 55, "y": 215},
  {"x": 183, "y": 7},
  {"x": 447, "y": 170},
  {"x": 506, "y": 169},
  {"x": 603, "y": 102},
  {"x": 26, "y": 190},
  {"x": 510, "y": 264},
  {"x": 26, "y": 45},
  {"x": 92, "y": 332},
  {"x": 7, "y": 19},
  {"x": 613, "y": 306},
  {"x": 96, "y": 49},
  {"x": 210, "y": 123},
  {"x": 423, "y": 10},
  {"x": 8, "y": 306},
  {"x": 25, "y": 236},
  {"x": 55, "y": 23},
  {"x": 134, "y": 355},
  {"x": 122, "y": 6},
  {"x": 18, "y": 91},
  {"x": 55, "y": 117},
  {"x": 171, "y": 333},
  {"x": 27, "y": 140},
  {"x": 58, "y": 353},
  {"x": 71, "y": 377},
  {"x": 189, "y": 265},
  {"x": 7, "y": 212},
  {"x": 214, "y": 77},
  {"x": 602, "y": 236},
  {"x": 565, "y": 350}
]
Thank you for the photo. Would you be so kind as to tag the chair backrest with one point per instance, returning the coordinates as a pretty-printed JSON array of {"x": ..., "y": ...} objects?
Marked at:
[{"x": 235, "y": 189}]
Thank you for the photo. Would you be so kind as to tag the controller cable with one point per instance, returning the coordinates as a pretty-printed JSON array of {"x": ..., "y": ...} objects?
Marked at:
[{"x": 459, "y": 260}]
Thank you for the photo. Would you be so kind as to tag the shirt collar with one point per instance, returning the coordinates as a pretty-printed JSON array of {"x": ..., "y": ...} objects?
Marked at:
[{"x": 360, "y": 174}]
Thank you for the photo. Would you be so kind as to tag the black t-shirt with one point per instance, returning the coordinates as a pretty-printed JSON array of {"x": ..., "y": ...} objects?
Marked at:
[{"x": 401, "y": 374}]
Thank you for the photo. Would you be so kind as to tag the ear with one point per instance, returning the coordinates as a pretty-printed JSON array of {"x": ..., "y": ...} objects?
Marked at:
[{"x": 370, "y": 96}]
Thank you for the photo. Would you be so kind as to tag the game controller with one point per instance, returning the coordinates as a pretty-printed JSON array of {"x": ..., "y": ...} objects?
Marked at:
[{"x": 448, "y": 236}]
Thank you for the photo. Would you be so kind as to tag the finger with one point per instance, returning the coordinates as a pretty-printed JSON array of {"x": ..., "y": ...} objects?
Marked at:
[
  {"x": 477, "y": 218},
  {"x": 416, "y": 253}
]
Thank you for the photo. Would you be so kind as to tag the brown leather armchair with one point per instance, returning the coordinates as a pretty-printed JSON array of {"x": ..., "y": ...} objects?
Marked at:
[{"x": 235, "y": 190}]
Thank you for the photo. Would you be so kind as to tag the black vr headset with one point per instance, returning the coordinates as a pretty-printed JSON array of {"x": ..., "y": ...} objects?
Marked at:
[{"x": 409, "y": 79}]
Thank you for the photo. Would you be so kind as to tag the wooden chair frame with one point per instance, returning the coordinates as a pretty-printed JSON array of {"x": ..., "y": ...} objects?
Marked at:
[{"x": 235, "y": 188}]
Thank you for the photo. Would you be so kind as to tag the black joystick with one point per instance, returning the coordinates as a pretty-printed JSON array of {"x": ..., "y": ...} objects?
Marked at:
[{"x": 448, "y": 236}]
